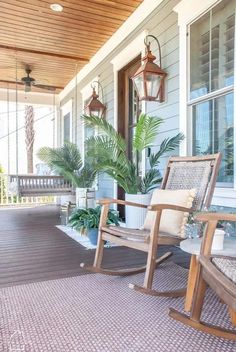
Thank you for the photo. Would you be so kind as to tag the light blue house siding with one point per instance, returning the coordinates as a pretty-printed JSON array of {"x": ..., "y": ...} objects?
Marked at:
[{"x": 163, "y": 24}]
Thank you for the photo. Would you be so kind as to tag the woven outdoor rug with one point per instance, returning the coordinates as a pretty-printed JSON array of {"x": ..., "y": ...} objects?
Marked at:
[{"x": 100, "y": 313}]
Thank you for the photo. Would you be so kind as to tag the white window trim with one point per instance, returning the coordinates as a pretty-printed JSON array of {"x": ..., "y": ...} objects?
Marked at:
[
  {"x": 132, "y": 50},
  {"x": 188, "y": 11},
  {"x": 65, "y": 109}
]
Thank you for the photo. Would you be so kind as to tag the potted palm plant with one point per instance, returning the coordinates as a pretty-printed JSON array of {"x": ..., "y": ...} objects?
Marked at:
[
  {"x": 108, "y": 149},
  {"x": 67, "y": 162},
  {"x": 86, "y": 221}
]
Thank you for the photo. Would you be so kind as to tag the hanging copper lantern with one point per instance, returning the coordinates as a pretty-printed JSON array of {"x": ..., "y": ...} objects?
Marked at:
[
  {"x": 149, "y": 79},
  {"x": 95, "y": 106}
]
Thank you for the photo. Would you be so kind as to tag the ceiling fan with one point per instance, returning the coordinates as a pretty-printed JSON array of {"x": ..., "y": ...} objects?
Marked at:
[{"x": 29, "y": 81}]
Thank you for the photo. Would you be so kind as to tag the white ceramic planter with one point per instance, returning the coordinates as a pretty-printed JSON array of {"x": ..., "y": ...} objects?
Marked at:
[
  {"x": 85, "y": 197},
  {"x": 135, "y": 216},
  {"x": 218, "y": 240}
]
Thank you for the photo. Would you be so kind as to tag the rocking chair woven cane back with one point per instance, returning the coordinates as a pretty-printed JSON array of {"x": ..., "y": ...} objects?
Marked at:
[{"x": 183, "y": 173}]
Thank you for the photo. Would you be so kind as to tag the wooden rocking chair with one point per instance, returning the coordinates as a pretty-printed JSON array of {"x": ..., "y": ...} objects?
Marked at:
[
  {"x": 217, "y": 272},
  {"x": 182, "y": 173}
]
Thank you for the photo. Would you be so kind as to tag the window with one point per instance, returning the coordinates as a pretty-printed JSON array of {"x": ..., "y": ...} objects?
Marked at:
[
  {"x": 66, "y": 122},
  {"x": 211, "y": 86}
]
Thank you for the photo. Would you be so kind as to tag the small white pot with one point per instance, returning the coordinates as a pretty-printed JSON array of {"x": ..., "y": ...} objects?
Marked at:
[
  {"x": 135, "y": 216},
  {"x": 218, "y": 240},
  {"x": 85, "y": 197}
]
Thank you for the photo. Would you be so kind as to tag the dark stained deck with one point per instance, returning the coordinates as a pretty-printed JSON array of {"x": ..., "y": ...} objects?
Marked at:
[{"x": 33, "y": 249}]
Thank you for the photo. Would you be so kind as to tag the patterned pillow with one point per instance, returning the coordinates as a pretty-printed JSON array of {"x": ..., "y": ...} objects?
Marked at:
[{"x": 227, "y": 267}]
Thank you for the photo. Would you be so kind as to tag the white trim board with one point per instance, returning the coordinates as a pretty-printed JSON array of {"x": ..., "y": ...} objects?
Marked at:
[
  {"x": 138, "y": 16},
  {"x": 189, "y": 10},
  {"x": 224, "y": 197}
]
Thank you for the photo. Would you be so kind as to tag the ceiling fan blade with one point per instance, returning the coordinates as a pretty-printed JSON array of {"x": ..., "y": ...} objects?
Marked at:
[{"x": 43, "y": 86}]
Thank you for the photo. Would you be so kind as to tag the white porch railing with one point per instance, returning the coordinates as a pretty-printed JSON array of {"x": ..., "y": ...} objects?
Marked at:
[{"x": 32, "y": 189}]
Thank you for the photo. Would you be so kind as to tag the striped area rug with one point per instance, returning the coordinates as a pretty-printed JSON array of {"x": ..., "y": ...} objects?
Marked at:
[{"x": 100, "y": 313}]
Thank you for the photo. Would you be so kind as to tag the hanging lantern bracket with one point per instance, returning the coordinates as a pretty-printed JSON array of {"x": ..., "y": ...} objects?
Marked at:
[
  {"x": 149, "y": 79},
  {"x": 95, "y": 106},
  {"x": 148, "y": 44}
]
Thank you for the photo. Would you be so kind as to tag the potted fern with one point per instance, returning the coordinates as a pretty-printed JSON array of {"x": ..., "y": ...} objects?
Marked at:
[
  {"x": 108, "y": 149},
  {"x": 67, "y": 162},
  {"x": 86, "y": 221}
]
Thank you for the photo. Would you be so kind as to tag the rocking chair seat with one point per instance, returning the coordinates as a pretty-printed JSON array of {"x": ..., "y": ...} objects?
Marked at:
[
  {"x": 227, "y": 267},
  {"x": 140, "y": 235},
  {"x": 127, "y": 232}
]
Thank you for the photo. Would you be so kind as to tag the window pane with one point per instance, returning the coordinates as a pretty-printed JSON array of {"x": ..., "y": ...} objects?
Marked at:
[
  {"x": 213, "y": 132},
  {"x": 202, "y": 128},
  {"x": 212, "y": 50},
  {"x": 67, "y": 127}
]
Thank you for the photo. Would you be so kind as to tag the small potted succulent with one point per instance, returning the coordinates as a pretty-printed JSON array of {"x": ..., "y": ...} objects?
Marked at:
[{"x": 86, "y": 221}]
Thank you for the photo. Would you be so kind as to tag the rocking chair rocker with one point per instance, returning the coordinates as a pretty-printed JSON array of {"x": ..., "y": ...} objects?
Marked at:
[
  {"x": 182, "y": 173},
  {"x": 217, "y": 272}
]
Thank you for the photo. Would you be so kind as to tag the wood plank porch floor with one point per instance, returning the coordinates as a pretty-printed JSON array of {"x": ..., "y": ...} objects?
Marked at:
[{"x": 33, "y": 249}]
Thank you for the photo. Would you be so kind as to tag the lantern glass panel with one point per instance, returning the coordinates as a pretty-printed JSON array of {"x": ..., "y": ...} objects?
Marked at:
[
  {"x": 138, "y": 81},
  {"x": 97, "y": 112},
  {"x": 153, "y": 82}
]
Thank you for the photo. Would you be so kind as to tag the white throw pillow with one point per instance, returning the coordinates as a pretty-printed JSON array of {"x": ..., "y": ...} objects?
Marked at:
[{"x": 172, "y": 221}]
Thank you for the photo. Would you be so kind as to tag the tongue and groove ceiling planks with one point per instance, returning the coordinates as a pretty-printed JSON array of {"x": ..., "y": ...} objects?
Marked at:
[{"x": 55, "y": 45}]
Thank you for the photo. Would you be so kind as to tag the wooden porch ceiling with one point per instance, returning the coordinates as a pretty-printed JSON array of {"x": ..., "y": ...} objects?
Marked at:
[{"x": 55, "y": 45}]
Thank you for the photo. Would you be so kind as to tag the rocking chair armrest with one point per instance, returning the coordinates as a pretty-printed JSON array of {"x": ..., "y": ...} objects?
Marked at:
[
  {"x": 158, "y": 207},
  {"x": 206, "y": 217},
  {"x": 119, "y": 201}
]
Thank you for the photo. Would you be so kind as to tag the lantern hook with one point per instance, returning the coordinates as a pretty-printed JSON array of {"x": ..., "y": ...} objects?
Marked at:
[
  {"x": 99, "y": 86},
  {"x": 147, "y": 44}
]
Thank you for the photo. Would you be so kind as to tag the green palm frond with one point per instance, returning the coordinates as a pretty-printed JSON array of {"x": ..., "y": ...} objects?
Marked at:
[
  {"x": 146, "y": 131},
  {"x": 65, "y": 158},
  {"x": 85, "y": 176},
  {"x": 67, "y": 162},
  {"x": 167, "y": 145},
  {"x": 103, "y": 147},
  {"x": 106, "y": 128},
  {"x": 109, "y": 158},
  {"x": 124, "y": 175},
  {"x": 150, "y": 180}
]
